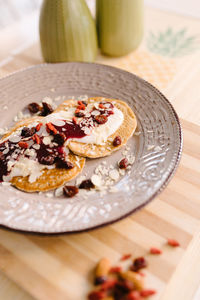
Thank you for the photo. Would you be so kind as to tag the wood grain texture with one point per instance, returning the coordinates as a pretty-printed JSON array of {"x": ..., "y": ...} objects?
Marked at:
[{"x": 60, "y": 267}]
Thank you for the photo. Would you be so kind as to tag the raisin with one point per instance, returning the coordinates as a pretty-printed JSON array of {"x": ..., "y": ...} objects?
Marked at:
[
  {"x": 63, "y": 164},
  {"x": 125, "y": 286},
  {"x": 59, "y": 138},
  {"x": 86, "y": 184},
  {"x": 123, "y": 164},
  {"x": 117, "y": 141},
  {"x": 33, "y": 107},
  {"x": 139, "y": 263},
  {"x": 100, "y": 280},
  {"x": 26, "y": 132},
  {"x": 108, "y": 284},
  {"x": 47, "y": 160},
  {"x": 96, "y": 295},
  {"x": 46, "y": 109},
  {"x": 70, "y": 190},
  {"x": 2, "y": 156},
  {"x": 101, "y": 119},
  {"x": 79, "y": 114}
]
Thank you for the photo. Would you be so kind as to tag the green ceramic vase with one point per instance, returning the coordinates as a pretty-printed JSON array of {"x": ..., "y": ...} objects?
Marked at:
[
  {"x": 67, "y": 31},
  {"x": 119, "y": 25}
]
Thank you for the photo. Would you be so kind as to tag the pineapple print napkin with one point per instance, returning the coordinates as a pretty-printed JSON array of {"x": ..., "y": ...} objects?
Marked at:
[{"x": 170, "y": 42}]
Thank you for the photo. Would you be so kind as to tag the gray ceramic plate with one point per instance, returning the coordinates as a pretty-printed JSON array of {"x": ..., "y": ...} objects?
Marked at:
[{"x": 157, "y": 149}]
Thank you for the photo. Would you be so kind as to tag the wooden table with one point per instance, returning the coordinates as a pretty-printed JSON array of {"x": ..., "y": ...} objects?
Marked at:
[{"x": 59, "y": 267}]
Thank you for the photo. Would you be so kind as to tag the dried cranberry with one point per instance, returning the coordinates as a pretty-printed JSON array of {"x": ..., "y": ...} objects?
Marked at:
[
  {"x": 63, "y": 164},
  {"x": 97, "y": 295},
  {"x": 46, "y": 109},
  {"x": 59, "y": 138},
  {"x": 139, "y": 263},
  {"x": 154, "y": 250},
  {"x": 70, "y": 190},
  {"x": 79, "y": 114},
  {"x": 117, "y": 141},
  {"x": 47, "y": 160},
  {"x": 33, "y": 107},
  {"x": 123, "y": 164},
  {"x": 101, "y": 119},
  {"x": 173, "y": 243},
  {"x": 133, "y": 295},
  {"x": 86, "y": 184},
  {"x": 26, "y": 132},
  {"x": 125, "y": 257},
  {"x": 23, "y": 145},
  {"x": 100, "y": 279},
  {"x": 147, "y": 293}
]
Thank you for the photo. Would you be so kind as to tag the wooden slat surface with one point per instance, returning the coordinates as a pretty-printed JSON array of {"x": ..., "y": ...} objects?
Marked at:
[{"x": 60, "y": 267}]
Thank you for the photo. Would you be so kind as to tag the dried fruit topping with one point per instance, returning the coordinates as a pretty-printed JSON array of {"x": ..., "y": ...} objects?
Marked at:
[
  {"x": 38, "y": 126},
  {"x": 86, "y": 184},
  {"x": 47, "y": 160},
  {"x": 23, "y": 145},
  {"x": 60, "y": 150},
  {"x": 51, "y": 129},
  {"x": 125, "y": 257},
  {"x": 117, "y": 141},
  {"x": 46, "y": 109},
  {"x": 109, "y": 284},
  {"x": 125, "y": 285},
  {"x": 116, "y": 269},
  {"x": 101, "y": 106},
  {"x": 97, "y": 295},
  {"x": 139, "y": 263},
  {"x": 123, "y": 164},
  {"x": 173, "y": 243},
  {"x": 33, "y": 107},
  {"x": 63, "y": 164},
  {"x": 26, "y": 132},
  {"x": 101, "y": 119},
  {"x": 59, "y": 138},
  {"x": 36, "y": 139},
  {"x": 79, "y": 114},
  {"x": 154, "y": 250},
  {"x": 70, "y": 190},
  {"x": 147, "y": 293},
  {"x": 134, "y": 295},
  {"x": 74, "y": 120},
  {"x": 100, "y": 280},
  {"x": 2, "y": 156},
  {"x": 81, "y": 105}
]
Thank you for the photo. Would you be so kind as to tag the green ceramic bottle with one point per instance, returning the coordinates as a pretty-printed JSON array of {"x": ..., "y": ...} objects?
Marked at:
[
  {"x": 67, "y": 31},
  {"x": 119, "y": 25}
]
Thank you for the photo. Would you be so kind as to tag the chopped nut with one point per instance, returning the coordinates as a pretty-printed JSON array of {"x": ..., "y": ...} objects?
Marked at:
[
  {"x": 134, "y": 278},
  {"x": 102, "y": 271}
]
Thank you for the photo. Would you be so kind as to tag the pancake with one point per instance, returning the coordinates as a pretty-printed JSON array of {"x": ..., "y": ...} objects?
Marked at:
[
  {"x": 125, "y": 131},
  {"x": 50, "y": 178}
]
